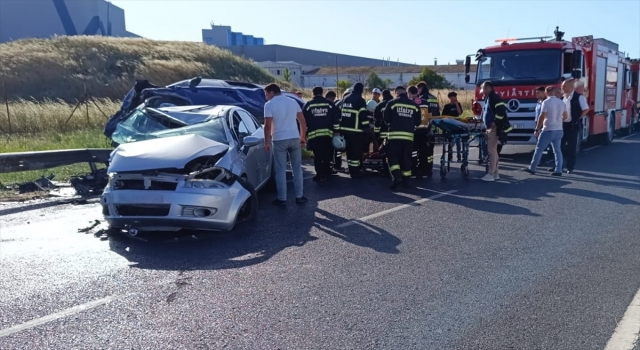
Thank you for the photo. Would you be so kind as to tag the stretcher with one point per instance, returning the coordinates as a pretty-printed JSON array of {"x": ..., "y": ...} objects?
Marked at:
[
  {"x": 374, "y": 161},
  {"x": 466, "y": 130}
]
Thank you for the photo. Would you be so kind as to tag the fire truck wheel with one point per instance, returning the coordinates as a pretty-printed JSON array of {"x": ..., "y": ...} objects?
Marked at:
[{"x": 607, "y": 138}]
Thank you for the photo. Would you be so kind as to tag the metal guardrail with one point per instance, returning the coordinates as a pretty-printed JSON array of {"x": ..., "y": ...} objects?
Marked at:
[{"x": 24, "y": 161}]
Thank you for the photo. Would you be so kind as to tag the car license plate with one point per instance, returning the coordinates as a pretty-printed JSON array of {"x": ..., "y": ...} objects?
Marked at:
[{"x": 518, "y": 126}]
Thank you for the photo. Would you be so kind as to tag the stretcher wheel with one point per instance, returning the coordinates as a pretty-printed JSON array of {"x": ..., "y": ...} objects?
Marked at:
[
  {"x": 443, "y": 172},
  {"x": 465, "y": 171}
]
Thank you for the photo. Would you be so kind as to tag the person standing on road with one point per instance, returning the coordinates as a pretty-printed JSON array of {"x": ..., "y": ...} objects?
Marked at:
[
  {"x": 337, "y": 156},
  {"x": 382, "y": 127},
  {"x": 424, "y": 138},
  {"x": 280, "y": 115},
  {"x": 454, "y": 109},
  {"x": 549, "y": 130},
  {"x": 577, "y": 108},
  {"x": 495, "y": 110},
  {"x": 322, "y": 120},
  {"x": 331, "y": 96},
  {"x": 402, "y": 115},
  {"x": 541, "y": 96},
  {"x": 354, "y": 122}
]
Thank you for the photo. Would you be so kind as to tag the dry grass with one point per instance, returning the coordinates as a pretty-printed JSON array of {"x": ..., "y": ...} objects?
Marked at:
[{"x": 57, "y": 68}]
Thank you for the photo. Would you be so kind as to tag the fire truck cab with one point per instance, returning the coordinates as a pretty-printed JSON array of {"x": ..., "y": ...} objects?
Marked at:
[{"x": 516, "y": 67}]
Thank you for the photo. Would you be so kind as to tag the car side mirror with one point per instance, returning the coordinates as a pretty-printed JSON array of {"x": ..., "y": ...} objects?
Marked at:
[{"x": 251, "y": 141}]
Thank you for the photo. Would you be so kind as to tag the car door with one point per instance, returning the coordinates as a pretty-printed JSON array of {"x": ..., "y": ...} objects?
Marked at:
[
  {"x": 263, "y": 158},
  {"x": 247, "y": 154}
]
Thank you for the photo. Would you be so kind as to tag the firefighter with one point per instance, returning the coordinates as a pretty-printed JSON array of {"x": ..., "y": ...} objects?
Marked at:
[
  {"x": 337, "y": 156},
  {"x": 424, "y": 137},
  {"x": 381, "y": 128},
  {"x": 322, "y": 120},
  {"x": 354, "y": 122},
  {"x": 402, "y": 116}
]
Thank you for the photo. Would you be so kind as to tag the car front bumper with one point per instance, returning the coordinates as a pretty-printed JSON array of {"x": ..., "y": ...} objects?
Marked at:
[{"x": 187, "y": 208}]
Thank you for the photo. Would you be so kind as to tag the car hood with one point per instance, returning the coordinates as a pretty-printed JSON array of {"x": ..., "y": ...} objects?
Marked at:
[{"x": 162, "y": 153}]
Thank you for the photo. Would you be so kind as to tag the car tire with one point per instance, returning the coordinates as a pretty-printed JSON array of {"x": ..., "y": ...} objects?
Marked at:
[{"x": 249, "y": 209}]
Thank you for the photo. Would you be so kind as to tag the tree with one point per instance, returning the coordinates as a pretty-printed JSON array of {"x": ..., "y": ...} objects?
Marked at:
[
  {"x": 433, "y": 80},
  {"x": 286, "y": 75},
  {"x": 343, "y": 85},
  {"x": 387, "y": 83},
  {"x": 374, "y": 81}
]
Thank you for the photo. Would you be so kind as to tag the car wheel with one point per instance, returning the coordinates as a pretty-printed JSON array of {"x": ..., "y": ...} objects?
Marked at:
[{"x": 249, "y": 209}]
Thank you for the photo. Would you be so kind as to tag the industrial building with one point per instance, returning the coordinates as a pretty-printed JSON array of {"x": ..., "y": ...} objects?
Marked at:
[
  {"x": 254, "y": 48},
  {"x": 398, "y": 75},
  {"x": 222, "y": 36},
  {"x": 21, "y": 19}
]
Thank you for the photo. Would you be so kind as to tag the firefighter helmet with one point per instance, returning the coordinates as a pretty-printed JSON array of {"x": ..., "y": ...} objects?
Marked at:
[{"x": 339, "y": 143}]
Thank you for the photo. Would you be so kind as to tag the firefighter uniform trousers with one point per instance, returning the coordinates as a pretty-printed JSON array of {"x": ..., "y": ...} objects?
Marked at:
[
  {"x": 337, "y": 160},
  {"x": 320, "y": 143},
  {"x": 423, "y": 146},
  {"x": 399, "y": 150},
  {"x": 355, "y": 147}
]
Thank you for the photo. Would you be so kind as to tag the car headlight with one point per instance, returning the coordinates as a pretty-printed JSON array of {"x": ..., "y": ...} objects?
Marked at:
[{"x": 196, "y": 183}]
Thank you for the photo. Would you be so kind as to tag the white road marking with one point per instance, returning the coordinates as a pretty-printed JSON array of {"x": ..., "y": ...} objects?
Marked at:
[
  {"x": 400, "y": 207},
  {"x": 626, "y": 137},
  {"x": 626, "y": 333},
  {"x": 55, "y": 316},
  {"x": 591, "y": 148}
]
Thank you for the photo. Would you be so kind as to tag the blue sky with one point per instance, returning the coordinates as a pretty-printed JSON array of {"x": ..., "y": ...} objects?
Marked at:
[{"x": 412, "y": 31}]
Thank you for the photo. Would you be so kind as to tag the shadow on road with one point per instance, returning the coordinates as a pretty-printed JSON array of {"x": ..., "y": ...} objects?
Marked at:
[{"x": 251, "y": 243}]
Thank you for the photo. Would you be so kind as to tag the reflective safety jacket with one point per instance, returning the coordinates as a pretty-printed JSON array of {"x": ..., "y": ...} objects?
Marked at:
[
  {"x": 353, "y": 114},
  {"x": 380, "y": 126},
  {"x": 322, "y": 117},
  {"x": 495, "y": 111},
  {"x": 429, "y": 106},
  {"x": 402, "y": 115}
]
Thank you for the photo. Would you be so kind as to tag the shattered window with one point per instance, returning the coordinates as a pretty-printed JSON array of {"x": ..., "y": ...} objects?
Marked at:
[{"x": 141, "y": 126}]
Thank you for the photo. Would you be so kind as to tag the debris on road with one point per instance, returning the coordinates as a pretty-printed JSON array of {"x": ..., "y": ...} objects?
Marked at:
[
  {"x": 41, "y": 184},
  {"x": 95, "y": 224}
]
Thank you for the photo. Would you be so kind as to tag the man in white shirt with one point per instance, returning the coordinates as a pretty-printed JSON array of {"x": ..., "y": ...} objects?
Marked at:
[
  {"x": 549, "y": 130},
  {"x": 280, "y": 115},
  {"x": 577, "y": 108}
]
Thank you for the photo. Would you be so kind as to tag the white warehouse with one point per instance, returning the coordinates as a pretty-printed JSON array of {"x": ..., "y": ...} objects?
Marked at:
[{"x": 398, "y": 75}]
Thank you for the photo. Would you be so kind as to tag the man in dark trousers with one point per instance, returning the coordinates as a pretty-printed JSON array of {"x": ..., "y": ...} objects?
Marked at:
[
  {"x": 381, "y": 127},
  {"x": 354, "y": 122},
  {"x": 578, "y": 108},
  {"x": 402, "y": 116},
  {"x": 454, "y": 109},
  {"x": 322, "y": 119},
  {"x": 424, "y": 140},
  {"x": 337, "y": 156}
]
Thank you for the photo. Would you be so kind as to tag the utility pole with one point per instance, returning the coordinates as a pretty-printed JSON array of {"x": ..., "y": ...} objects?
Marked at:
[{"x": 337, "y": 76}]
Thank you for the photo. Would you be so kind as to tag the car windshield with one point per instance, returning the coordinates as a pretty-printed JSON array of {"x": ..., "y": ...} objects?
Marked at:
[
  {"x": 145, "y": 125},
  {"x": 520, "y": 67}
]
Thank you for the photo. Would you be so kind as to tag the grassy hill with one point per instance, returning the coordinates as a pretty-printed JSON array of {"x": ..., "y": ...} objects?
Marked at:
[{"x": 52, "y": 69}]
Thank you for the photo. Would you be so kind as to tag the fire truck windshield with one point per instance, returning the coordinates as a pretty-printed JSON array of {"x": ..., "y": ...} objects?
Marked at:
[{"x": 520, "y": 67}]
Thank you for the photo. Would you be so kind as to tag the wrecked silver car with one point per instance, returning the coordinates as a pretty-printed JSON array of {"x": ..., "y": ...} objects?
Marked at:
[{"x": 189, "y": 167}]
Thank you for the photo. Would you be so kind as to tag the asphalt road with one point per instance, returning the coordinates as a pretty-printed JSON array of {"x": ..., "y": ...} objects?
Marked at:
[{"x": 528, "y": 262}]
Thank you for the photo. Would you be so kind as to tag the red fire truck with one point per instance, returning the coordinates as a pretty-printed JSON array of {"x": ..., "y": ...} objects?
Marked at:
[{"x": 516, "y": 67}]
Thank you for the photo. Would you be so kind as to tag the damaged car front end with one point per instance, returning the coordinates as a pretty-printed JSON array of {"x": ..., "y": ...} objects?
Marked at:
[
  {"x": 200, "y": 172},
  {"x": 211, "y": 199}
]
